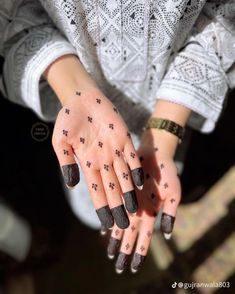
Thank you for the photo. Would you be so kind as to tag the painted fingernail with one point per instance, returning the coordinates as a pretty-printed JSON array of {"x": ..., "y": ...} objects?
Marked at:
[
  {"x": 167, "y": 223},
  {"x": 71, "y": 174},
  {"x": 131, "y": 201},
  {"x": 113, "y": 247},
  {"x": 138, "y": 177},
  {"x": 120, "y": 217},
  {"x": 121, "y": 262},
  {"x": 103, "y": 230},
  {"x": 137, "y": 262},
  {"x": 105, "y": 217}
]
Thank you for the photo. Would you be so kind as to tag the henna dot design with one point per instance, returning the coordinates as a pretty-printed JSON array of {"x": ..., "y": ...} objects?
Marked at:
[
  {"x": 117, "y": 232},
  {"x": 172, "y": 200},
  {"x": 118, "y": 153},
  {"x": 78, "y": 93},
  {"x": 147, "y": 176},
  {"x": 88, "y": 163},
  {"x": 132, "y": 155},
  {"x": 149, "y": 234},
  {"x": 67, "y": 111},
  {"x": 152, "y": 195},
  {"x": 98, "y": 100},
  {"x": 125, "y": 176},
  {"x": 106, "y": 167},
  {"x": 111, "y": 126},
  {"x": 142, "y": 248},
  {"x": 66, "y": 152},
  {"x": 94, "y": 186},
  {"x": 127, "y": 246},
  {"x": 65, "y": 133},
  {"x": 82, "y": 140},
  {"x": 141, "y": 158},
  {"x": 100, "y": 144},
  {"x": 156, "y": 149},
  {"x": 111, "y": 185},
  {"x": 115, "y": 109},
  {"x": 166, "y": 186},
  {"x": 162, "y": 166},
  {"x": 132, "y": 228},
  {"x": 89, "y": 119},
  {"x": 128, "y": 135}
]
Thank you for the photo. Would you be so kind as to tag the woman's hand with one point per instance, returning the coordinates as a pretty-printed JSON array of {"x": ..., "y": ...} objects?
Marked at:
[
  {"x": 161, "y": 190},
  {"x": 90, "y": 130}
]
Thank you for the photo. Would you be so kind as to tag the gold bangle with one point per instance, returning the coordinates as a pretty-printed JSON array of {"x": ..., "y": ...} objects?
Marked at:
[{"x": 167, "y": 125}]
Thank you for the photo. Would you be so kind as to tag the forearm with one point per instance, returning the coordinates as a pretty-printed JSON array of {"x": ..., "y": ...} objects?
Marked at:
[
  {"x": 66, "y": 76},
  {"x": 163, "y": 140}
]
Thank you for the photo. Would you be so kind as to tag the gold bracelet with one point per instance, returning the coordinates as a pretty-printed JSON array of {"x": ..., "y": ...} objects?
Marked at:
[{"x": 167, "y": 125}]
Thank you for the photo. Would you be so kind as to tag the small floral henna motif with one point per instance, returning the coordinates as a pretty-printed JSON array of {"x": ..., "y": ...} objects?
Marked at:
[
  {"x": 118, "y": 153},
  {"x": 142, "y": 248},
  {"x": 128, "y": 135},
  {"x": 166, "y": 186},
  {"x": 94, "y": 186},
  {"x": 78, "y": 93},
  {"x": 100, "y": 144},
  {"x": 106, "y": 167},
  {"x": 132, "y": 155},
  {"x": 111, "y": 185},
  {"x": 141, "y": 158},
  {"x": 88, "y": 163},
  {"x": 127, "y": 246},
  {"x": 147, "y": 176},
  {"x": 149, "y": 234},
  {"x": 67, "y": 111},
  {"x": 89, "y": 119},
  {"x": 162, "y": 166},
  {"x": 82, "y": 140},
  {"x": 66, "y": 152},
  {"x": 152, "y": 196},
  {"x": 132, "y": 228},
  {"x": 125, "y": 176},
  {"x": 116, "y": 232},
  {"x": 115, "y": 109},
  {"x": 111, "y": 126},
  {"x": 65, "y": 133},
  {"x": 156, "y": 149},
  {"x": 98, "y": 100},
  {"x": 172, "y": 200}
]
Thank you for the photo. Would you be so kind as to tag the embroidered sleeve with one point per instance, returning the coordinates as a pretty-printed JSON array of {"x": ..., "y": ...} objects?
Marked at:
[
  {"x": 29, "y": 43},
  {"x": 199, "y": 75}
]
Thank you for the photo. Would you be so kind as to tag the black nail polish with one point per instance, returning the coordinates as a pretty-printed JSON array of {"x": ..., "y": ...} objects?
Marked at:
[
  {"x": 121, "y": 262},
  {"x": 105, "y": 217},
  {"x": 71, "y": 174},
  {"x": 120, "y": 217},
  {"x": 131, "y": 201},
  {"x": 137, "y": 262},
  {"x": 167, "y": 223},
  {"x": 138, "y": 176},
  {"x": 113, "y": 247}
]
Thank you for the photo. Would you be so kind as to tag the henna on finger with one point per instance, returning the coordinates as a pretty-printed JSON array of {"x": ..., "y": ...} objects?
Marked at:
[
  {"x": 167, "y": 224},
  {"x": 138, "y": 177},
  {"x": 121, "y": 262},
  {"x": 105, "y": 216},
  {"x": 71, "y": 174},
  {"x": 137, "y": 262},
  {"x": 113, "y": 247},
  {"x": 131, "y": 202},
  {"x": 120, "y": 216}
]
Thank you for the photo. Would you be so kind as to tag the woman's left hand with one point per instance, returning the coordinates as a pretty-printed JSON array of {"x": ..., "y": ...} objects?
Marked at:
[{"x": 162, "y": 190}]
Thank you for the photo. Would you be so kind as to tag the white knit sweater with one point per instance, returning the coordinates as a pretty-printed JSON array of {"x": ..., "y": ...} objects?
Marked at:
[{"x": 178, "y": 50}]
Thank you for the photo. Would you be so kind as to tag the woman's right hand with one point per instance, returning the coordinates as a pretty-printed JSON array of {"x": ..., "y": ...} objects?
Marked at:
[{"x": 90, "y": 130}]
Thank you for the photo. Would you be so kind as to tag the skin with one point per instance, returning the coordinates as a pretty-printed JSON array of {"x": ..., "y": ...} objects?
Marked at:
[{"x": 89, "y": 130}]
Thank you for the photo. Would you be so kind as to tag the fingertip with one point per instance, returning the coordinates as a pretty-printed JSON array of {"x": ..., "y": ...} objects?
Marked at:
[
  {"x": 71, "y": 175},
  {"x": 167, "y": 236}
]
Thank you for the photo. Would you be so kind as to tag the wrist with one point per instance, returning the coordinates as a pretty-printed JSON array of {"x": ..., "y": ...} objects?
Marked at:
[{"x": 66, "y": 76}]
